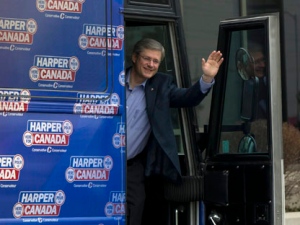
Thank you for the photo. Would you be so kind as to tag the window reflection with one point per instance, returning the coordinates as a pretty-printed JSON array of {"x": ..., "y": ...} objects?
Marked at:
[{"x": 245, "y": 114}]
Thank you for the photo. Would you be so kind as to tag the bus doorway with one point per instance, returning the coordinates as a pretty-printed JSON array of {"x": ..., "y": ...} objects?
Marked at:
[{"x": 164, "y": 32}]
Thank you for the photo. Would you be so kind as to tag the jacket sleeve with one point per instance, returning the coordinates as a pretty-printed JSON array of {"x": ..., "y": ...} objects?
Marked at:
[{"x": 186, "y": 97}]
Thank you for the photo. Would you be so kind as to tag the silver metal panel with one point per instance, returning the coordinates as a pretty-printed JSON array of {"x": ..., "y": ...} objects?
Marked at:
[{"x": 276, "y": 119}]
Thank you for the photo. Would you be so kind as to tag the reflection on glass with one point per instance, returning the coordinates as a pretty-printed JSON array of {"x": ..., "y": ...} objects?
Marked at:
[
  {"x": 247, "y": 144},
  {"x": 244, "y": 63},
  {"x": 245, "y": 114}
]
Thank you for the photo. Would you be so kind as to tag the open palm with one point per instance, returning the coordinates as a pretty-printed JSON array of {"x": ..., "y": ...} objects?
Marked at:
[{"x": 211, "y": 66}]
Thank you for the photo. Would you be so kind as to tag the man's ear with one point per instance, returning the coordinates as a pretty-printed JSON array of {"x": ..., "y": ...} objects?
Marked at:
[{"x": 134, "y": 57}]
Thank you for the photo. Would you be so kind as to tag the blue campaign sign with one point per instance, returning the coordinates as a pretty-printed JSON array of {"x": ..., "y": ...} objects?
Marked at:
[{"x": 62, "y": 114}]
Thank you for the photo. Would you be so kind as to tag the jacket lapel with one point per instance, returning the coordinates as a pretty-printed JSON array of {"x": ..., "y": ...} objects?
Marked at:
[{"x": 150, "y": 93}]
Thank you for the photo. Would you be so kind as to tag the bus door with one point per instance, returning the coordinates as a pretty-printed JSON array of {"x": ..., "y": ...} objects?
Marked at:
[{"x": 243, "y": 170}]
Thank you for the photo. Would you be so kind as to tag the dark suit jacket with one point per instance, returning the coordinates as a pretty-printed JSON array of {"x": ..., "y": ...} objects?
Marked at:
[{"x": 161, "y": 95}]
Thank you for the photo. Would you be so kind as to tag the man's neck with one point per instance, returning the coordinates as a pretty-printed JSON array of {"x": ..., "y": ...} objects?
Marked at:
[{"x": 135, "y": 80}]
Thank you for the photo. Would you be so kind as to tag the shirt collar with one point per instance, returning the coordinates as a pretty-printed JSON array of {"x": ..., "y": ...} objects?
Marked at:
[{"x": 128, "y": 77}]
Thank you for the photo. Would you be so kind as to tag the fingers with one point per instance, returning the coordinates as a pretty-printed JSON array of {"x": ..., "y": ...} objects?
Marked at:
[
  {"x": 220, "y": 61},
  {"x": 203, "y": 61},
  {"x": 216, "y": 56}
]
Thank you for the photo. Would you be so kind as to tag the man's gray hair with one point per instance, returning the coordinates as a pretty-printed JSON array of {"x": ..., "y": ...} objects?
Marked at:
[{"x": 148, "y": 43}]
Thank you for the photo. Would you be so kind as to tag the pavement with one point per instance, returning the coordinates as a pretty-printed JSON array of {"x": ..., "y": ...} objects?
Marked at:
[{"x": 292, "y": 218}]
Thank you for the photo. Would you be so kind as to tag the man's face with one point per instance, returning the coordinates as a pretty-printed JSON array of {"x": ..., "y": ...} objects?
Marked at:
[
  {"x": 259, "y": 64},
  {"x": 145, "y": 64}
]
